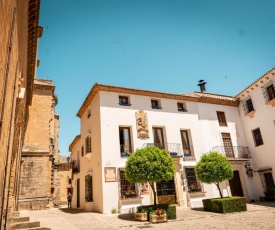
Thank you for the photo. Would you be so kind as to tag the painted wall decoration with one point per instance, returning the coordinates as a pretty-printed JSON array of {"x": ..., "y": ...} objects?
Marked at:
[
  {"x": 110, "y": 174},
  {"x": 142, "y": 125}
]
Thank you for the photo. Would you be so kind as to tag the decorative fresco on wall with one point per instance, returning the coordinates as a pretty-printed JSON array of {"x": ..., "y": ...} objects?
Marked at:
[{"x": 142, "y": 125}]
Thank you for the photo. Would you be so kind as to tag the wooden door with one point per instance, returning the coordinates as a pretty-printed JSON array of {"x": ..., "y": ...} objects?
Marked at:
[
  {"x": 78, "y": 193},
  {"x": 166, "y": 193},
  {"x": 235, "y": 185},
  {"x": 228, "y": 148}
]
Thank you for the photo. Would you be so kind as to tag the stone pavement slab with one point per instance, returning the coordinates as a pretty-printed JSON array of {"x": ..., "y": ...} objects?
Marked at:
[{"x": 260, "y": 215}]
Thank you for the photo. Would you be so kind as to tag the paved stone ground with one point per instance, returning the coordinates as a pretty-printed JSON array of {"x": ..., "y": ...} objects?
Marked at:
[{"x": 260, "y": 215}]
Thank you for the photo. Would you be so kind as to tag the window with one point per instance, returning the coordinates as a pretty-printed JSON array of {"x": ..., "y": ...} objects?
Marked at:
[
  {"x": 88, "y": 144},
  {"x": 124, "y": 100},
  {"x": 88, "y": 188},
  {"x": 127, "y": 189},
  {"x": 270, "y": 92},
  {"x": 158, "y": 138},
  {"x": 88, "y": 113},
  {"x": 191, "y": 178},
  {"x": 185, "y": 143},
  {"x": 82, "y": 150},
  {"x": 248, "y": 106},
  {"x": 181, "y": 107},
  {"x": 258, "y": 140},
  {"x": 268, "y": 180},
  {"x": 155, "y": 104},
  {"x": 221, "y": 118},
  {"x": 125, "y": 141}
]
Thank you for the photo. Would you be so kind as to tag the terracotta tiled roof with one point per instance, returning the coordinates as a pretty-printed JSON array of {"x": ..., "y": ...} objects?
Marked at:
[
  {"x": 194, "y": 97},
  {"x": 259, "y": 79},
  {"x": 76, "y": 139},
  {"x": 210, "y": 95}
]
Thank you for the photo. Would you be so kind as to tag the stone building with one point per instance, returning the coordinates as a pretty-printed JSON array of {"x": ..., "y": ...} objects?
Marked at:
[
  {"x": 41, "y": 171},
  {"x": 18, "y": 41}
]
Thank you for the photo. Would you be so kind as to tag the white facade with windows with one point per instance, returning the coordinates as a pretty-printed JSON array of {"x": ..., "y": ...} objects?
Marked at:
[
  {"x": 259, "y": 126},
  {"x": 186, "y": 125}
]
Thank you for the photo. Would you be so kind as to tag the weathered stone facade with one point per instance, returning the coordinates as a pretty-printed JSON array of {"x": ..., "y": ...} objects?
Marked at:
[
  {"x": 37, "y": 174},
  {"x": 18, "y": 41},
  {"x": 44, "y": 174}
]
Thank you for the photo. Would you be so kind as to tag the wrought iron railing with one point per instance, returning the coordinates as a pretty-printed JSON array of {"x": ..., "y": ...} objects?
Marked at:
[
  {"x": 126, "y": 150},
  {"x": 76, "y": 166},
  {"x": 237, "y": 152}
]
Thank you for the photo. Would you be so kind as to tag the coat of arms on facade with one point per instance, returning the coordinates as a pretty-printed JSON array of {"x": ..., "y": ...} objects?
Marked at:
[{"x": 142, "y": 125}]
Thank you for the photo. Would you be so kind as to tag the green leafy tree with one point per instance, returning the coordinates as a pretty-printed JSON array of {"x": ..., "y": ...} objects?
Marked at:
[
  {"x": 151, "y": 165},
  {"x": 213, "y": 167}
]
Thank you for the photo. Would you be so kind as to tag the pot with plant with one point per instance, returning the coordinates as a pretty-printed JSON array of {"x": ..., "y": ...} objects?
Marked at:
[
  {"x": 141, "y": 214},
  {"x": 158, "y": 216}
]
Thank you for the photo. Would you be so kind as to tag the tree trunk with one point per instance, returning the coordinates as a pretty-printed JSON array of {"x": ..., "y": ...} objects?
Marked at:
[
  {"x": 218, "y": 185},
  {"x": 154, "y": 192}
]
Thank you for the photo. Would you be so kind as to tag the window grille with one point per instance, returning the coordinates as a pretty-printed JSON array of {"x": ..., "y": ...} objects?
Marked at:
[
  {"x": 127, "y": 189},
  {"x": 88, "y": 144},
  {"x": 221, "y": 118},
  {"x": 88, "y": 188},
  {"x": 257, "y": 137},
  {"x": 248, "y": 105}
]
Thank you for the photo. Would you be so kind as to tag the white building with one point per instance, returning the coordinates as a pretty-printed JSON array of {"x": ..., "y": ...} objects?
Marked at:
[
  {"x": 115, "y": 121},
  {"x": 257, "y": 112}
]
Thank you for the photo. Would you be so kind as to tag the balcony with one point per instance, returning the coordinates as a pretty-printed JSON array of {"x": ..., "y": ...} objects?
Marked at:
[
  {"x": 174, "y": 149},
  {"x": 233, "y": 152},
  {"x": 126, "y": 150},
  {"x": 75, "y": 166}
]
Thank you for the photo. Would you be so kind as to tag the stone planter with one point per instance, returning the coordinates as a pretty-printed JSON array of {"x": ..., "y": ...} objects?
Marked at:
[
  {"x": 158, "y": 219},
  {"x": 140, "y": 216}
]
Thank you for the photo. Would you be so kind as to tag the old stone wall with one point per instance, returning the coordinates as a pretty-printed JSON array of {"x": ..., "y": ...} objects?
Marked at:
[
  {"x": 15, "y": 60},
  {"x": 41, "y": 117},
  {"x": 34, "y": 176},
  {"x": 37, "y": 184},
  {"x": 62, "y": 179}
]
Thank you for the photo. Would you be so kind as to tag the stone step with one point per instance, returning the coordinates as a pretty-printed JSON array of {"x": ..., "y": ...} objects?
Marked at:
[
  {"x": 19, "y": 219},
  {"x": 38, "y": 228},
  {"x": 25, "y": 225}
]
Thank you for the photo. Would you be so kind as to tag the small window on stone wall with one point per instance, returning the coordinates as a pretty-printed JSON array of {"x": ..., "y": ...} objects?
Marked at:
[{"x": 88, "y": 144}]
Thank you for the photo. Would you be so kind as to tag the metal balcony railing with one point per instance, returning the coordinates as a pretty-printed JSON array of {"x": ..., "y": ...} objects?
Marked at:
[
  {"x": 174, "y": 149},
  {"x": 233, "y": 152},
  {"x": 126, "y": 150},
  {"x": 76, "y": 166}
]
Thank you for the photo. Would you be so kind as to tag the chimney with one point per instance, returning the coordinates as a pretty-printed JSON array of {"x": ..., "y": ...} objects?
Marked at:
[{"x": 202, "y": 85}]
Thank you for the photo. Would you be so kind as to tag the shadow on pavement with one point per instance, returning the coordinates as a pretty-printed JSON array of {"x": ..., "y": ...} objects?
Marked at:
[
  {"x": 71, "y": 210},
  {"x": 264, "y": 203},
  {"x": 127, "y": 217}
]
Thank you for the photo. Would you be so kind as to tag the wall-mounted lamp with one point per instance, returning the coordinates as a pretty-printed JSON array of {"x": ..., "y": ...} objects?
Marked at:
[{"x": 249, "y": 170}]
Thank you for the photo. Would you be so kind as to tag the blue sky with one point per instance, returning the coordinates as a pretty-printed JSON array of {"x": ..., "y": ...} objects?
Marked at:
[{"x": 157, "y": 45}]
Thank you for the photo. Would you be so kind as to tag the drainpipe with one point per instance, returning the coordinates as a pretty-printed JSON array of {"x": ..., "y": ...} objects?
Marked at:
[
  {"x": 3, "y": 106},
  {"x": 9, "y": 161}
]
